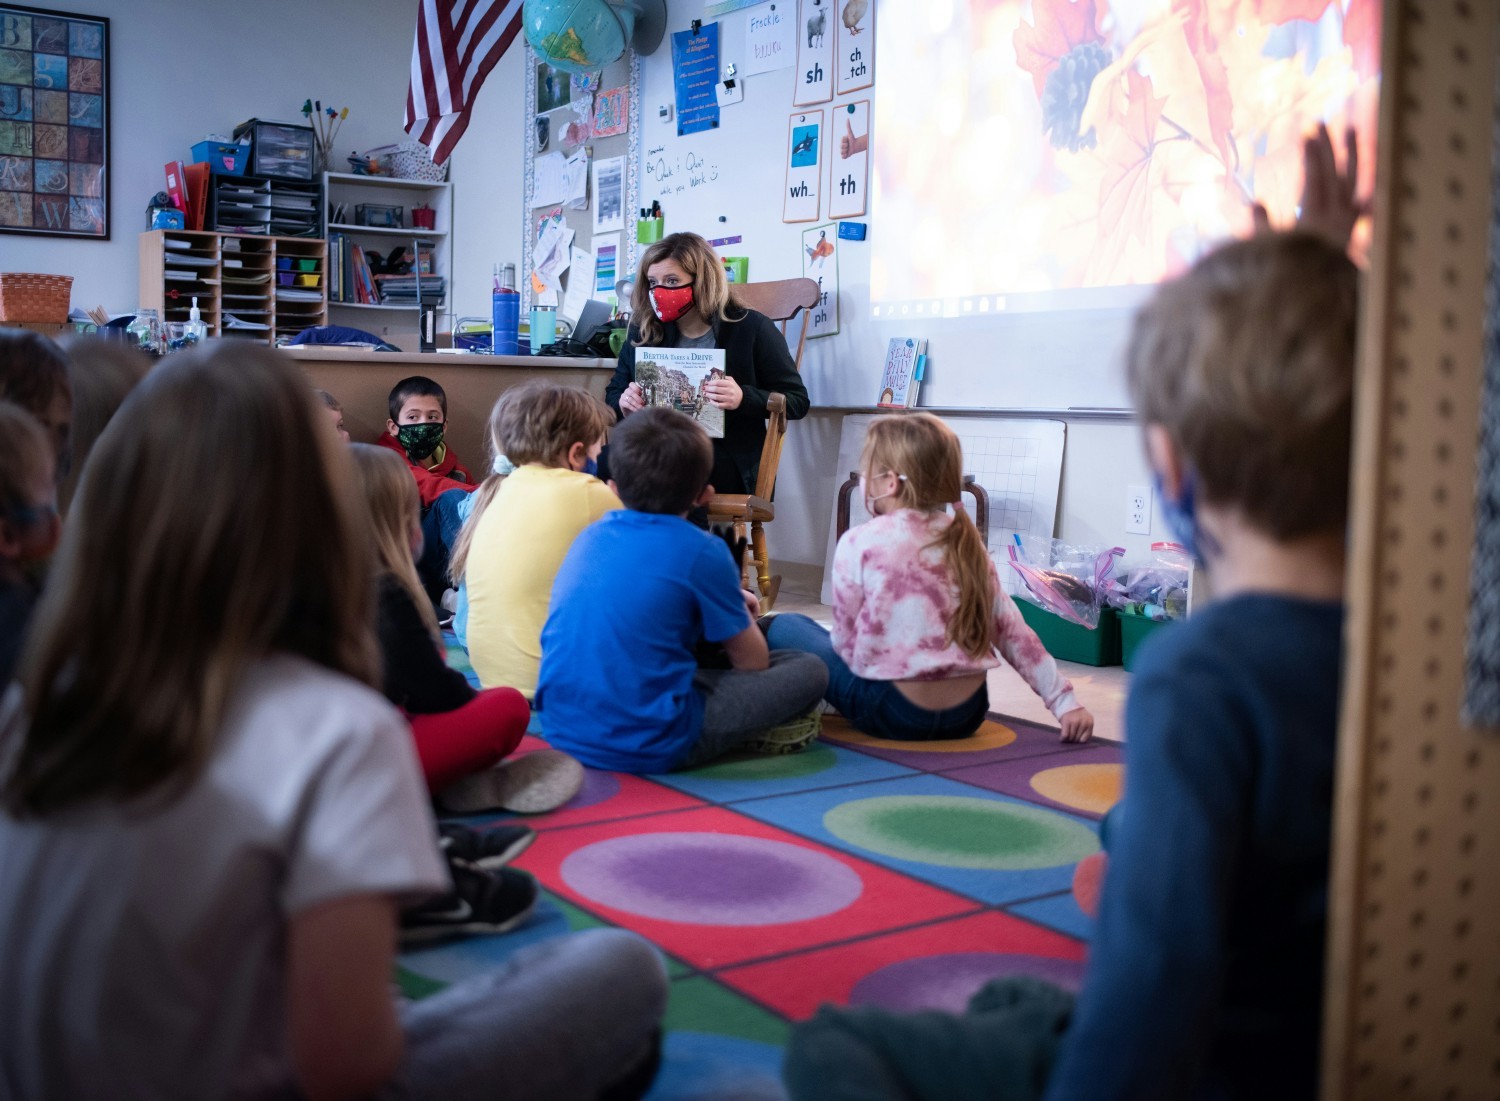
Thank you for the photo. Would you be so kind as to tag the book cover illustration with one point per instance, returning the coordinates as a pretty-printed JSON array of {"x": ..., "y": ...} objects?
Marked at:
[
  {"x": 905, "y": 358},
  {"x": 675, "y": 377}
]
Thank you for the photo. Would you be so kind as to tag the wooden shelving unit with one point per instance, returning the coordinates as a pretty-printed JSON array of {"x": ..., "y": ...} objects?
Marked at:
[
  {"x": 345, "y": 191},
  {"x": 248, "y": 286}
]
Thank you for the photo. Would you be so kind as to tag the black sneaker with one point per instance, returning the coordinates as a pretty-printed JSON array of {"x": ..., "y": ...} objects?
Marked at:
[
  {"x": 480, "y": 902},
  {"x": 487, "y": 849}
]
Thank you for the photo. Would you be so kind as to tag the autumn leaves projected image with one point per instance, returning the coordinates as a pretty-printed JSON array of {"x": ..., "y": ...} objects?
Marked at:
[{"x": 1025, "y": 148}]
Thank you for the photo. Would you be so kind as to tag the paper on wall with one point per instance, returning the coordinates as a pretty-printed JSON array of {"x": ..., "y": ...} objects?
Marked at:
[
  {"x": 813, "y": 82},
  {"x": 580, "y": 283},
  {"x": 575, "y": 181},
  {"x": 547, "y": 181},
  {"x": 770, "y": 39},
  {"x": 606, "y": 265}
]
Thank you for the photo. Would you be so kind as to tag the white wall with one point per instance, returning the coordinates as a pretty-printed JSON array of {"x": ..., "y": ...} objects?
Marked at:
[{"x": 180, "y": 69}]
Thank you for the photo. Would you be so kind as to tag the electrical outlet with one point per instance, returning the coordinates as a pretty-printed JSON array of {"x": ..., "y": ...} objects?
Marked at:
[{"x": 1138, "y": 510}]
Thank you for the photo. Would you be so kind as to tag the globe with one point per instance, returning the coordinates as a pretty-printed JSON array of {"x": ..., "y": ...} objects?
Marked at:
[{"x": 580, "y": 36}]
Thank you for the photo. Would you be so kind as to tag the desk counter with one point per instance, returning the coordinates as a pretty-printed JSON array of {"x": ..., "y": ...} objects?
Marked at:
[{"x": 361, "y": 380}]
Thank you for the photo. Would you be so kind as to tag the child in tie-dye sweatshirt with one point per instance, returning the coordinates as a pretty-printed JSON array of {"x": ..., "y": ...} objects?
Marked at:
[{"x": 918, "y": 612}]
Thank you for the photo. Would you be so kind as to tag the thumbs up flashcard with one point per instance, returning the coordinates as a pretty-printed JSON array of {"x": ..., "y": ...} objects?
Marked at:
[{"x": 850, "y": 148}]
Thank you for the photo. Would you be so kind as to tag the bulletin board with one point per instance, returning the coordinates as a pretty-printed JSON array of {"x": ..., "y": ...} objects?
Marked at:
[
  {"x": 544, "y": 112},
  {"x": 728, "y": 184}
]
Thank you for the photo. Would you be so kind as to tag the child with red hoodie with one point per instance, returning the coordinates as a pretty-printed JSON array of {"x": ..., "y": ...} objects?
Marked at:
[{"x": 419, "y": 415}]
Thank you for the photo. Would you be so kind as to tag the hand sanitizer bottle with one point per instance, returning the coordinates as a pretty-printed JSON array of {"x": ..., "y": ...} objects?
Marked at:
[{"x": 196, "y": 330}]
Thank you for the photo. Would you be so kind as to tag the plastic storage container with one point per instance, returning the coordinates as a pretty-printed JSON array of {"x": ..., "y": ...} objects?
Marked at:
[
  {"x": 1134, "y": 631},
  {"x": 222, "y": 158},
  {"x": 1068, "y": 641}
]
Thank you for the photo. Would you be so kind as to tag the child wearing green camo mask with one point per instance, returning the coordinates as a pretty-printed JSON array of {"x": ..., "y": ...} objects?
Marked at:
[{"x": 419, "y": 415}]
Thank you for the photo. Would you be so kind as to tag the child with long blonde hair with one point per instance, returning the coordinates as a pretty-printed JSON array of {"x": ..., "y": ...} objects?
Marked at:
[
  {"x": 460, "y": 734},
  {"x": 221, "y": 811},
  {"x": 553, "y": 435},
  {"x": 918, "y": 611}
]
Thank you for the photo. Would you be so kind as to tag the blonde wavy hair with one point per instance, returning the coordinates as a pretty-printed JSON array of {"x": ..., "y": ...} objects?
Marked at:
[
  {"x": 214, "y": 526},
  {"x": 927, "y": 454},
  {"x": 711, "y": 297},
  {"x": 393, "y": 511}
]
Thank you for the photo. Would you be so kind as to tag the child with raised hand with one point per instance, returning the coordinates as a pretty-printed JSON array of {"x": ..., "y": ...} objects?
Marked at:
[
  {"x": 553, "y": 435},
  {"x": 918, "y": 611},
  {"x": 223, "y": 813},
  {"x": 1206, "y": 967},
  {"x": 29, "y": 527},
  {"x": 460, "y": 734},
  {"x": 620, "y": 685}
]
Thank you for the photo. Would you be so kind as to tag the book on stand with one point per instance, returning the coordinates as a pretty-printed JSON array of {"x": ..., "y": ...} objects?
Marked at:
[
  {"x": 675, "y": 377},
  {"x": 905, "y": 363}
]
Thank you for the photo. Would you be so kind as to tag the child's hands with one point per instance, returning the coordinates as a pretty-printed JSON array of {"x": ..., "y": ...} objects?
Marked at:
[
  {"x": 752, "y": 603},
  {"x": 1077, "y": 725},
  {"x": 1329, "y": 204}
]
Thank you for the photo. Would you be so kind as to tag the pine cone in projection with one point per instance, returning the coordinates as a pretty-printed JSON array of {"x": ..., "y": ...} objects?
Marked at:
[{"x": 1067, "y": 91}]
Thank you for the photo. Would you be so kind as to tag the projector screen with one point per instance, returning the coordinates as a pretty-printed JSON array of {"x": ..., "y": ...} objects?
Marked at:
[{"x": 1061, "y": 155}]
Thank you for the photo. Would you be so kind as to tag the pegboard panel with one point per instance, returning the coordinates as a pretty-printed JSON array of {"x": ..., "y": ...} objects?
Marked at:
[{"x": 1414, "y": 992}]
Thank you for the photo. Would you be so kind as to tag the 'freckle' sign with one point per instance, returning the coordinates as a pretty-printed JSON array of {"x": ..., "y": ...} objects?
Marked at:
[{"x": 770, "y": 37}]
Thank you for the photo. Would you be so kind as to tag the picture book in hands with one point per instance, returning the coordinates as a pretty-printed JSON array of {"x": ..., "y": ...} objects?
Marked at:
[
  {"x": 905, "y": 361},
  {"x": 675, "y": 378}
]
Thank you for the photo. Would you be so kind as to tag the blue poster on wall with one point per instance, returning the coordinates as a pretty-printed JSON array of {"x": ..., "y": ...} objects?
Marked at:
[{"x": 695, "y": 73}]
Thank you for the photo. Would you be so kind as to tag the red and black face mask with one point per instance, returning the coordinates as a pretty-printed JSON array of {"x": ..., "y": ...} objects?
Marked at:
[{"x": 670, "y": 303}]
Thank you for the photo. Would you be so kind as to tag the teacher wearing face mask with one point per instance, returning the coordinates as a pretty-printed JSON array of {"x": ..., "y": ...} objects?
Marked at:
[{"x": 682, "y": 299}]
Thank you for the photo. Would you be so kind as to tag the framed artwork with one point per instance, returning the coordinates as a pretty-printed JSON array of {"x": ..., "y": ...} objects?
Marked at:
[{"x": 54, "y": 123}]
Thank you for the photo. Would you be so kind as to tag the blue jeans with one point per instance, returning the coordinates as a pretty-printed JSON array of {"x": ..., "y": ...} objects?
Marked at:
[
  {"x": 441, "y": 523},
  {"x": 875, "y": 707}
]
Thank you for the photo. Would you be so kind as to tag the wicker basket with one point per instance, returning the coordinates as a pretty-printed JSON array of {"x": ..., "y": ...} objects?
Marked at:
[{"x": 27, "y": 297}]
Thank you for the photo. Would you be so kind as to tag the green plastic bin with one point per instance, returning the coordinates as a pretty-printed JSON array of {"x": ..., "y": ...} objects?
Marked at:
[
  {"x": 1135, "y": 630},
  {"x": 1069, "y": 641}
]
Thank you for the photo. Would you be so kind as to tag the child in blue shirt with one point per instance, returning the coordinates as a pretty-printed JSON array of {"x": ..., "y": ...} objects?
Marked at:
[
  {"x": 1206, "y": 969},
  {"x": 638, "y": 590}
]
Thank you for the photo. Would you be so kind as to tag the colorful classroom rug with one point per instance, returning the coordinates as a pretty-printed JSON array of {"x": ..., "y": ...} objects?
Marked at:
[{"x": 858, "y": 872}]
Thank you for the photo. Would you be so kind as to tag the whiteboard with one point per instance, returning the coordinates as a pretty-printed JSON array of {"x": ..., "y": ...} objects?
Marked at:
[
  {"x": 1018, "y": 462},
  {"x": 728, "y": 182}
]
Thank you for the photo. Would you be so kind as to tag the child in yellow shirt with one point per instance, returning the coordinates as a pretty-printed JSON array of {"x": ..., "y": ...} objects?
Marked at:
[{"x": 553, "y": 435}]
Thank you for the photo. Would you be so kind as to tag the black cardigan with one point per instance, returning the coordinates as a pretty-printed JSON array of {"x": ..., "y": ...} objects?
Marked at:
[
  {"x": 756, "y": 357},
  {"x": 417, "y": 678}
]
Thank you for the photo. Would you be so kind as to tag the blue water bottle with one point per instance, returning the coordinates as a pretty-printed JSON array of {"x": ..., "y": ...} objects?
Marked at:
[{"x": 505, "y": 312}]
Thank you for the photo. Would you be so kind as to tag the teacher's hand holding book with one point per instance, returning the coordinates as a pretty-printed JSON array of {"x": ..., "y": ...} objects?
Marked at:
[
  {"x": 632, "y": 399},
  {"x": 723, "y": 392}
]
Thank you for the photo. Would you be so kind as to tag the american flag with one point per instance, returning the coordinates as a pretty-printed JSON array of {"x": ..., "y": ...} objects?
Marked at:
[{"x": 457, "y": 44}]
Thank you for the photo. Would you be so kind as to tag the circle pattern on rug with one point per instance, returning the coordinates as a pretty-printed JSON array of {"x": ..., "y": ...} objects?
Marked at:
[
  {"x": 1091, "y": 788},
  {"x": 990, "y": 735},
  {"x": 948, "y": 981},
  {"x": 712, "y": 878},
  {"x": 598, "y": 787},
  {"x": 785, "y": 766},
  {"x": 955, "y": 831}
]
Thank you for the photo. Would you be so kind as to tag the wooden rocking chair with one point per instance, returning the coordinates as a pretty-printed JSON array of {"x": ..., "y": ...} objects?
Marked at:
[{"x": 780, "y": 301}]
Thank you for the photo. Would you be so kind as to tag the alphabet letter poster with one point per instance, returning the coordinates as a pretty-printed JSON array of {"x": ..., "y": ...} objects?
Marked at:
[
  {"x": 851, "y": 160},
  {"x": 820, "y": 263},
  {"x": 856, "y": 53},
  {"x": 813, "y": 82},
  {"x": 803, "y": 167},
  {"x": 769, "y": 37}
]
